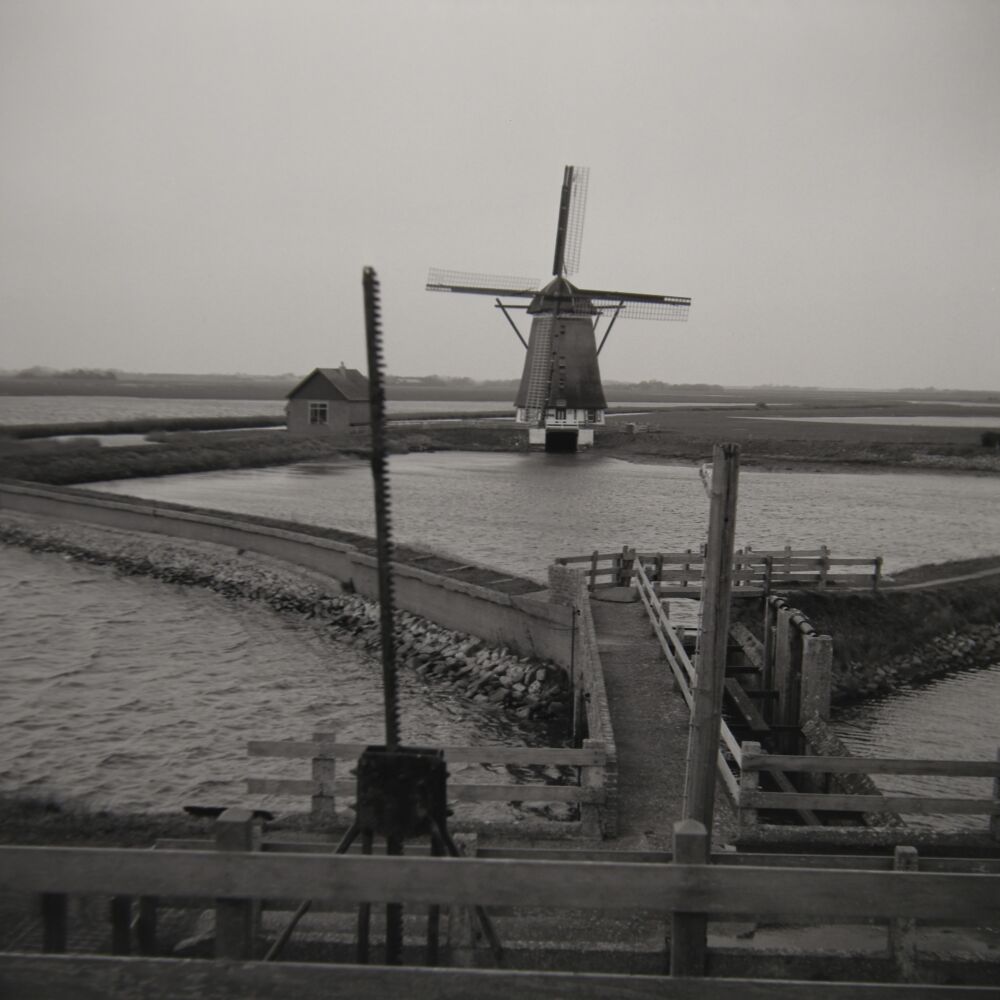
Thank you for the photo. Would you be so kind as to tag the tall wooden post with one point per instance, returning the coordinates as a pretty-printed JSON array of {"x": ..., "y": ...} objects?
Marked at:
[
  {"x": 817, "y": 665},
  {"x": 236, "y": 920},
  {"x": 710, "y": 674},
  {"x": 688, "y": 931}
]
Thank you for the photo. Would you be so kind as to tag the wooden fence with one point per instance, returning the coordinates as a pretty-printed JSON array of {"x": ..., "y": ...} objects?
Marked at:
[
  {"x": 330, "y": 792},
  {"x": 680, "y": 574},
  {"x": 687, "y": 893}
]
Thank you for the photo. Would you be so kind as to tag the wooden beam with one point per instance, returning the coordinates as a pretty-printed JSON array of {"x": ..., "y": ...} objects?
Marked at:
[
  {"x": 96, "y": 977},
  {"x": 585, "y": 885},
  {"x": 706, "y": 711},
  {"x": 827, "y": 802},
  {"x": 874, "y": 765}
]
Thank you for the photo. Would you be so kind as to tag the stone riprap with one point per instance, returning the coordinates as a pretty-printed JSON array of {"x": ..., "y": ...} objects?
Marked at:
[
  {"x": 526, "y": 688},
  {"x": 970, "y": 647}
]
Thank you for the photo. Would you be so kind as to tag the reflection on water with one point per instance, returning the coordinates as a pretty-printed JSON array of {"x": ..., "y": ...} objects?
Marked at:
[
  {"x": 953, "y": 718},
  {"x": 518, "y": 511},
  {"x": 131, "y": 693}
]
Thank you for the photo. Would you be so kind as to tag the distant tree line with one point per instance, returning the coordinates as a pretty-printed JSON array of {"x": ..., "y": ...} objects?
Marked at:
[{"x": 90, "y": 374}]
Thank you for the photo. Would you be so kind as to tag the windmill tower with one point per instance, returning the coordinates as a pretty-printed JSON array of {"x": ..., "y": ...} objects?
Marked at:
[{"x": 560, "y": 398}]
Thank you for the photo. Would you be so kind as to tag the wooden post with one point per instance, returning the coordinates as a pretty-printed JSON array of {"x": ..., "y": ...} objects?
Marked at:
[
  {"x": 877, "y": 575},
  {"x": 817, "y": 665},
  {"x": 824, "y": 566},
  {"x": 593, "y": 569},
  {"x": 592, "y": 777},
  {"x": 236, "y": 919},
  {"x": 783, "y": 667},
  {"x": 324, "y": 773},
  {"x": 995, "y": 818},
  {"x": 55, "y": 922},
  {"x": 145, "y": 926},
  {"x": 688, "y": 931},
  {"x": 709, "y": 680},
  {"x": 903, "y": 933},
  {"x": 461, "y": 919},
  {"x": 749, "y": 783},
  {"x": 121, "y": 925}
]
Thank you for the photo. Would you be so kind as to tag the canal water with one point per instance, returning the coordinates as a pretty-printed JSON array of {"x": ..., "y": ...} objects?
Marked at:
[
  {"x": 133, "y": 694},
  {"x": 518, "y": 512},
  {"x": 129, "y": 693}
]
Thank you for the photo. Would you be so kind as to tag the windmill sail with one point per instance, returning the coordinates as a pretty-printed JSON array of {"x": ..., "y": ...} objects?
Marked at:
[
  {"x": 470, "y": 283},
  {"x": 569, "y": 229}
]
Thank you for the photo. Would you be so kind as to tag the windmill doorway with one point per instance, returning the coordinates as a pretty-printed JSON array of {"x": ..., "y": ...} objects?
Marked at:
[{"x": 561, "y": 441}]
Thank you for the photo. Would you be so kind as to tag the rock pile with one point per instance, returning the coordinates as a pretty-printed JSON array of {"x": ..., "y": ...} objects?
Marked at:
[
  {"x": 469, "y": 667},
  {"x": 973, "y": 646}
]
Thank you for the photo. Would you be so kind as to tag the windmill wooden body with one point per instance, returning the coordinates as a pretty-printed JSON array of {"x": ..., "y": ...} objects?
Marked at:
[{"x": 561, "y": 399}]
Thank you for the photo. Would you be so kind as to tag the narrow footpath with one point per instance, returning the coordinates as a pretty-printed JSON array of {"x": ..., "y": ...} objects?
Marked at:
[{"x": 650, "y": 722}]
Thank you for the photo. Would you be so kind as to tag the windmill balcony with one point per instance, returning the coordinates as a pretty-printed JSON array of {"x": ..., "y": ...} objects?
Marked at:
[{"x": 563, "y": 417}]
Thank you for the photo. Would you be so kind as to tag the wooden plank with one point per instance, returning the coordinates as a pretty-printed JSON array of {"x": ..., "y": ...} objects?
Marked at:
[
  {"x": 689, "y": 931},
  {"x": 874, "y": 765},
  {"x": 806, "y": 815},
  {"x": 524, "y": 793},
  {"x": 281, "y": 786},
  {"x": 525, "y": 756},
  {"x": 585, "y": 885},
  {"x": 97, "y": 977},
  {"x": 824, "y": 802},
  {"x": 749, "y": 710}
]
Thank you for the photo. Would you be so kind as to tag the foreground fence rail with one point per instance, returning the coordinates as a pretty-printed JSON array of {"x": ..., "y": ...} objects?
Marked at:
[{"x": 685, "y": 893}]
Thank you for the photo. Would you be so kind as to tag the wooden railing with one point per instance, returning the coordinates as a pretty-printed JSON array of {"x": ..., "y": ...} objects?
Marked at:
[
  {"x": 680, "y": 574},
  {"x": 330, "y": 786},
  {"x": 688, "y": 892},
  {"x": 752, "y": 798},
  {"x": 683, "y": 672}
]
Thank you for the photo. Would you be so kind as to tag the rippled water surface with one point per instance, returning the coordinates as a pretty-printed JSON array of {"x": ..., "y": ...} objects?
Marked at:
[
  {"x": 954, "y": 717},
  {"x": 519, "y": 511},
  {"x": 128, "y": 692}
]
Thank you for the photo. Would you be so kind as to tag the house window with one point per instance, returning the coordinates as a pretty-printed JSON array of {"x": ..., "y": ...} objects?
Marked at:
[
  {"x": 318, "y": 413},
  {"x": 560, "y": 413},
  {"x": 591, "y": 416}
]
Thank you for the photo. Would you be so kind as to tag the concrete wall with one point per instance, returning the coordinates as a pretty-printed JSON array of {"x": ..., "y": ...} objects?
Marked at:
[
  {"x": 531, "y": 626},
  {"x": 569, "y": 587}
]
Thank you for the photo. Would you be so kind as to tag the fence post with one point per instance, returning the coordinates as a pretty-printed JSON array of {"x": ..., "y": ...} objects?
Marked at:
[
  {"x": 824, "y": 566},
  {"x": 236, "y": 919},
  {"x": 995, "y": 818},
  {"x": 709, "y": 680},
  {"x": 121, "y": 925},
  {"x": 55, "y": 922},
  {"x": 461, "y": 919},
  {"x": 817, "y": 664},
  {"x": 592, "y": 777},
  {"x": 688, "y": 931},
  {"x": 145, "y": 926},
  {"x": 783, "y": 667},
  {"x": 324, "y": 773},
  {"x": 877, "y": 575},
  {"x": 903, "y": 933},
  {"x": 593, "y": 569},
  {"x": 749, "y": 783}
]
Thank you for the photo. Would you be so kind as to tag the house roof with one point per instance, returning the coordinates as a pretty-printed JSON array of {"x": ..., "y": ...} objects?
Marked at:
[{"x": 349, "y": 382}]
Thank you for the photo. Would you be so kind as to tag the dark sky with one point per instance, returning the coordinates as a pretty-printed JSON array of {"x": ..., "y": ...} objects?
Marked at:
[{"x": 195, "y": 185}]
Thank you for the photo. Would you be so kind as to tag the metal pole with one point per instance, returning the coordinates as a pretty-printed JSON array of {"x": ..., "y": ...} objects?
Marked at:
[{"x": 710, "y": 674}]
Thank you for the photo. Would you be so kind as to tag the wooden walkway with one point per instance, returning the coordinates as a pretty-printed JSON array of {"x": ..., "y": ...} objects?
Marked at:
[{"x": 650, "y": 722}]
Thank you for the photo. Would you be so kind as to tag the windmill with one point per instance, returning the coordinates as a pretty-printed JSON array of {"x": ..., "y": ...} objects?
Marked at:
[{"x": 560, "y": 397}]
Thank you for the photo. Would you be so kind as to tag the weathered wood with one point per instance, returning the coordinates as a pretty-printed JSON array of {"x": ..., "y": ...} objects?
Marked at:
[
  {"x": 748, "y": 709},
  {"x": 542, "y": 756},
  {"x": 55, "y": 921},
  {"x": 817, "y": 667},
  {"x": 875, "y": 765},
  {"x": 145, "y": 926},
  {"x": 784, "y": 667},
  {"x": 324, "y": 775},
  {"x": 689, "y": 931},
  {"x": 830, "y": 802},
  {"x": 995, "y": 817},
  {"x": 236, "y": 919},
  {"x": 97, "y": 977},
  {"x": 120, "y": 913},
  {"x": 806, "y": 815},
  {"x": 585, "y": 885},
  {"x": 706, "y": 711},
  {"x": 749, "y": 784},
  {"x": 903, "y": 933}
]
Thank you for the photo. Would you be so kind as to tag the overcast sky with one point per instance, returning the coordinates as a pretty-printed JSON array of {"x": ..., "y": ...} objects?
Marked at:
[{"x": 195, "y": 185}]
